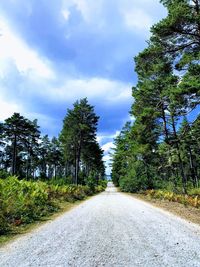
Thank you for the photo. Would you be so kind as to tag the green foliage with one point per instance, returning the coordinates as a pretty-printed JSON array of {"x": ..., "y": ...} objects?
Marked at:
[
  {"x": 25, "y": 201},
  {"x": 91, "y": 180},
  {"x": 121, "y": 153},
  {"x": 103, "y": 183},
  {"x": 191, "y": 200},
  {"x": 161, "y": 140},
  {"x": 129, "y": 184},
  {"x": 19, "y": 135},
  {"x": 194, "y": 192},
  {"x": 4, "y": 174},
  {"x": 78, "y": 138},
  {"x": 61, "y": 181},
  {"x": 135, "y": 179},
  {"x": 23, "y": 152}
]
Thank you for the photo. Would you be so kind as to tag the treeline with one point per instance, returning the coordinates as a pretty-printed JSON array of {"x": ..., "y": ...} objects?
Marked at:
[
  {"x": 74, "y": 157},
  {"x": 161, "y": 148},
  {"x": 37, "y": 174}
]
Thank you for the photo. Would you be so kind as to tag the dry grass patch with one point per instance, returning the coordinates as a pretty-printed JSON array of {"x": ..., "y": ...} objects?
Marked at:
[{"x": 186, "y": 212}]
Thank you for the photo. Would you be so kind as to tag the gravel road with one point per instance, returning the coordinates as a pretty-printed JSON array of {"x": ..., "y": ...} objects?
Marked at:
[{"x": 110, "y": 229}]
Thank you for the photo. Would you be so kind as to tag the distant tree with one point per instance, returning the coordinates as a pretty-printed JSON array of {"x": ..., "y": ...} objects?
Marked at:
[
  {"x": 92, "y": 161},
  {"x": 79, "y": 131},
  {"x": 44, "y": 156},
  {"x": 56, "y": 156},
  {"x": 21, "y": 134},
  {"x": 121, "y": 154}
]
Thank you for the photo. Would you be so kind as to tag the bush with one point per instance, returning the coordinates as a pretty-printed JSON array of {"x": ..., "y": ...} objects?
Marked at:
[
  {"x": 4, "y": 174},
  {"x": 103, "y": 183},
  {"x": 91, "y": 181},
  {"x": 99, "y": 189},
  {"x": 194, "y": 192},
  {"x": 191, "y": 200},
  {"x": 25, "y": 201},
  {"x": 134, "y": 181}
]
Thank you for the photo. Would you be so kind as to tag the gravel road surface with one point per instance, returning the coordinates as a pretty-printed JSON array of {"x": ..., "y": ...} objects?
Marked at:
[{"x": 110, "y": 229}]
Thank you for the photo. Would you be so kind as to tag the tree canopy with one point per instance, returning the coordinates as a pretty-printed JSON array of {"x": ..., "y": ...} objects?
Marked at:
[
  {"x": 167, "y": 92},
  {"x": 74, "y": 157},
  {"x": 78, "y": 138}
]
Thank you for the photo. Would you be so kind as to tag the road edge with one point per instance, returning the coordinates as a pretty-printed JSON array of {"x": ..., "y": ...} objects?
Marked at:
[
  {"x": 188, "y": 214},
  {"x": 23, "y": 230}
]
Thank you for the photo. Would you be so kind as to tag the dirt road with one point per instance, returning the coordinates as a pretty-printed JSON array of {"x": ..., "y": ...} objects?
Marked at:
[{"x": 110, "y": 229}]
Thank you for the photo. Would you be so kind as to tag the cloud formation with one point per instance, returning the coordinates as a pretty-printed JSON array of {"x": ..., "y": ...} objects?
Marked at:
[{"x": 55, "y": 53}]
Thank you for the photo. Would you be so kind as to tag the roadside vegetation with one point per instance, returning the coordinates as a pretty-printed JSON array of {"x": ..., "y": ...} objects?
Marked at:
[
  {"x": 158, "y": 153},
  {"x": 38, "y": 174},
  {"x": 191, "y": 199},
  {"x": 23, "y": 202}
]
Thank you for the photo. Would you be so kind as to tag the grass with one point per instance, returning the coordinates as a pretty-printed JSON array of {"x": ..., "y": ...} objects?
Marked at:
[{"x": 188, "y": 213}]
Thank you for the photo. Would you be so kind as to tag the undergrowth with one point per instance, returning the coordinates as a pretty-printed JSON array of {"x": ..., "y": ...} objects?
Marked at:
[
  {"x": 22, "y": 202},
  {"x": 191, "y": 199}
]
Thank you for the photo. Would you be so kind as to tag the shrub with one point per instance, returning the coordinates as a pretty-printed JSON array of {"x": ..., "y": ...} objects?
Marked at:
[
  {"x": 191, "y": 200},
  {"x": 4, "y": 174},
  {"x": 194, "y": 192},
  {"x": 103, "y": 183},
  {"x": 134, "y": 181},
  {"x": 91, "y": 181},
  {"x": 24, "y": 201}
]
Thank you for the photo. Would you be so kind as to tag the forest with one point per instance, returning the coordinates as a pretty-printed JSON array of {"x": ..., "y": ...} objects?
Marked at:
[
  {"x": 161, "y": 148},
  {"x": 38, "y": 172}
]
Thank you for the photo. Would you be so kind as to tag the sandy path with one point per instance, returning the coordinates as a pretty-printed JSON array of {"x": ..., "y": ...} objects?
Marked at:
[{"x": 110, "y": 229}]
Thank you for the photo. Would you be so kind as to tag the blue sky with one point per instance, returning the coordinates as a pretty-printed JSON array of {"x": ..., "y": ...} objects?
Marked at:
[{"x": 55, "y": 52}]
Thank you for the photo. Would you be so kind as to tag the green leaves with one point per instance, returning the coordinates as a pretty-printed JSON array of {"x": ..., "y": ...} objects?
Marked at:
[
  {"x": 24, "y": 201},
  {"x": 20, "y": 136},
  {"x": 78, "y": 138},
  {"x": 167, "y": 90}
]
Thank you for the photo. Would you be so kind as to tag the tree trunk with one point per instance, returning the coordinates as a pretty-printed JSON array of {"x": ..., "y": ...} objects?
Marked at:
[
  {"x": 76, "y": 171},
  {"x": 196, "y": 2},
  {"x": 78, "y": 159},
  {"x": 14, "y": 156},
  {"x": 184, "y": 179},
  {"x": 166, "y": 133},
  {"x": 75, "y": 167},
  {"x": 27, "y": 169},
  {"x": 165, "y": 124},
  {"x": 193, "y": 171},
  {"x": 55, "y": 173}
]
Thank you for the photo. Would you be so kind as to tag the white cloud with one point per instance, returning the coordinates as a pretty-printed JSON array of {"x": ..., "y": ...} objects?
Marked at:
[
  {"x": 107, "y": 158},
  {"x": 43, "y": 120},
  {"x": 102, "y": 138},
  {"x": 65, "y": 13},
  {"x": 94, "y": 88},
  {"x": 108, "y": 147},
  {"x": 92, "y": 11},
  {"x": 8, "y": 108},
  {"x": 83, "y": 7},
  {"x": 137, "y": 19},
  {"x": 26, "y": 59},
  {"x": 89, "y": 8}
]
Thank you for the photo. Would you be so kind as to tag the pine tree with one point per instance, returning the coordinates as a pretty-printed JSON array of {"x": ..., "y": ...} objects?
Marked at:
[
  {"x": 79, "y": 130},
  {"x": 19, "y": 133}
]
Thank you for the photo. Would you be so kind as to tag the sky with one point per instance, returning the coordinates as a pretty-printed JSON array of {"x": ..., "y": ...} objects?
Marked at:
[{"x": 53, "y": 53}]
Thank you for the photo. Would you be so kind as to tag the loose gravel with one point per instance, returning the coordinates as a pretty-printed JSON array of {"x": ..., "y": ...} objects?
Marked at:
[{"x": 110, "y": 229}]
